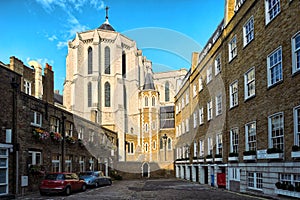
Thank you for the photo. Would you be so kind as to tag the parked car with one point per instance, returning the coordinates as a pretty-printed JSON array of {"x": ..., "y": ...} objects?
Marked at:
[
  {"x": 61, "y": 183},
  {"x": 95, "y": 178}
]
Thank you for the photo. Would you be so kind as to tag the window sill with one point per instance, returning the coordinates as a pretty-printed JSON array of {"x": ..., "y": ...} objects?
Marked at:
[
  {"x": 245, "y": 45},
  {"x": 36, "y": 125},
  {"x": 249, "y": 98},
  {"x": 275, "y": 84},
  {"x": 230, "y": 60},
  {"x": 232, "y": 107},
  {"x": 295, "y": 72}
]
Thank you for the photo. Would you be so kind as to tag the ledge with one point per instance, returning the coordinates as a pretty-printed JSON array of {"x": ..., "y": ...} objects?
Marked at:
[
  {"x": 287, "y": 193},
  {"x": 233, "y": 158},
  {"x": 250, "y": 157},
  {"x": 295, "y": 154}
]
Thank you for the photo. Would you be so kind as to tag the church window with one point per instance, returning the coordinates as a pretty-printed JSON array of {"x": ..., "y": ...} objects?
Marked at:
[
  {"x": 107, "y": 60},
  {"x": 146, "y": 147},
  {"x": 167, "y": 91},
  {"x": 107, "y": 94},
  {"x": 153, "y": 101},
  {"x": 146, "y": 101},
  {"x": 124, "y": 64},
  {"x": 90, "y": 60},
  {"x": 169, "y": 144},
  {"x": 89, "y": 94}
]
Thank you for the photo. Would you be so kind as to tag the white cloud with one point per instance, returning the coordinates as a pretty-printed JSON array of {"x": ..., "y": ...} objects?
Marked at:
[
  {"x": 52, "y": 38},
  {"x": 61, "y": 44}
]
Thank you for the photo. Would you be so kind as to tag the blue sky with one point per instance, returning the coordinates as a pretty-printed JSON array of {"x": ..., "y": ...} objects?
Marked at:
[{"x": 40, "y": 29}]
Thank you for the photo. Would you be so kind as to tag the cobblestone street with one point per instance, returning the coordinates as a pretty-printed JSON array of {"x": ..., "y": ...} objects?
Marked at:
[{"x": 152, "y": 189}]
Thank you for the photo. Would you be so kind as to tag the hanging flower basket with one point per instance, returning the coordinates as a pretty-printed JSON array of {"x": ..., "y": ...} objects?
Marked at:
[
  {"x": 71, "y": 139},
  {"x": 55, "y": 136},
  {"x": 37, "y": 170},
  {"x": 80, "y": 142},
  {"x": 40, "y": 134}
]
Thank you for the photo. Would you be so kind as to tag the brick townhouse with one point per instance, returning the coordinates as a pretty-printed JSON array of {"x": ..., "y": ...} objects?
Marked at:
[
  {"x": 237, "y": 113},
  {"x": 40, "y": 136}
]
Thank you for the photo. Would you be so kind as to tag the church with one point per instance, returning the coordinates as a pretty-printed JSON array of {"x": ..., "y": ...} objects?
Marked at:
[{"x": 110, "y": 82}]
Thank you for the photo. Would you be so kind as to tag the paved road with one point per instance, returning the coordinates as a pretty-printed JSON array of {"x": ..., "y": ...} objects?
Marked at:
[{"x": 170, "y": 189}]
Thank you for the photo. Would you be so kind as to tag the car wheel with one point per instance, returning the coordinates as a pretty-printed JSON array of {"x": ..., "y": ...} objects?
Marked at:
[
  {"x": 96, "y": 184},
  {"x": 68, "y": 191},
  {"x": 83, "y": 188}
]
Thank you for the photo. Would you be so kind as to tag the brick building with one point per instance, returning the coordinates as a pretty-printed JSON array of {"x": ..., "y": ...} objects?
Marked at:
[
  {"x": 237, "y": 113},
  {"x": 40, "y": 137}
]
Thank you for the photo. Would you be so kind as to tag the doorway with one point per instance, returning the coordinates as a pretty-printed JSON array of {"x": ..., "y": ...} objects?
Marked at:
[{"x": 145, "y": 170}]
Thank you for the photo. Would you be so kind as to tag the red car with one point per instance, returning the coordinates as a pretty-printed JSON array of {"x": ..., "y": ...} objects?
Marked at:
[{"x": 61, "y": 182}]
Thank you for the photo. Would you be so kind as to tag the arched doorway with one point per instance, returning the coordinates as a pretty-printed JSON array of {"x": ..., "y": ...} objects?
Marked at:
[{"x": 145, "y": 170}]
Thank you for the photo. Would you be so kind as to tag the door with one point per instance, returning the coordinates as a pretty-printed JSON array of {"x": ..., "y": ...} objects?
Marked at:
[{"x": 145, "y": 170}]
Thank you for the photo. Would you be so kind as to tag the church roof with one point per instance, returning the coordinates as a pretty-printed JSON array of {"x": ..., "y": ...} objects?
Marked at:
[
  {"x": 106, "y": 25},
  {"x": 149, "y": 85}
]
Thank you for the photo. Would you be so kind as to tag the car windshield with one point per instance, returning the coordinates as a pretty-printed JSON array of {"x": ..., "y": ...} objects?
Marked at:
[
  {"x": 86, "y": 174},
  {"x": 54, "y": 177}
]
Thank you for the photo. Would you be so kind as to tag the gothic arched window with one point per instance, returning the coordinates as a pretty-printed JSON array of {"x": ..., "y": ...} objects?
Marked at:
[
  {"x": 90, "y": 60},
  {"x": 89, "y": 91},
  {"x": 107, "y": 94},
  {"x": 107, "y": 60},
  {"x": 169, "y": 143},
  {"x": 161, "y": 143},
  {"x": 153, "y": 101},
  {"x": 146, "y": 101},
  {"x": 167, "y": 91}
]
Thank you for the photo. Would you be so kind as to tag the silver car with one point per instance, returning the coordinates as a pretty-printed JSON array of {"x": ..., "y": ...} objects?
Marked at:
[{"x": 95, "y": 178}]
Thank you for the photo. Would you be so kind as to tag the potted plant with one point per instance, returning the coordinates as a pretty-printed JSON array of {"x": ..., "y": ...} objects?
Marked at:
[
  {"x": 40, "y": 134},
  {"x": 278, "y": 185},
  {"x": 274, "y": 150},
  {"x": 56, "y": 136},
  {"x": 233, "y": 154},
  {"x": 249, "y": 153},
  {"x": 297, "y": 188},
  {"x": 218, "y": 156},
  {"x": 71, "y": 139},
  {"x": 290, "y": 187}
]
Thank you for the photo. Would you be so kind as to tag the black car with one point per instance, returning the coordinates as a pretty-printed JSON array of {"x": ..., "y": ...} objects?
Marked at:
[{"x": 95, "y": 178}]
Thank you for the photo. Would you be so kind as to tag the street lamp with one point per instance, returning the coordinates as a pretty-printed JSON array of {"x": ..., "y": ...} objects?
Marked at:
[{"x": 165, "y": 137}]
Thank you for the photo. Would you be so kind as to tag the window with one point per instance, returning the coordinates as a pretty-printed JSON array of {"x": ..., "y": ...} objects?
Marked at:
[
  {"x": 254, "y": 180},
  {"x": 195, "y": 148},
  {"x": 232, "y": 48},
  {"x": 201, "y": 116},
  {"x": 238, "y": 4},
  {"x": 248, "y": 31},
  {"x": 272, "y": 8},
  {"x": 234, "y": 140},
  {"x": 187, "y": 98},
  {"x": 146, "y": 101},
  {"x": 233, "y": 94},
  {"x": 195, "y": 118},
  {"x": 187, "y": 125},
  {"x": 68, "y": 163},
  {"x": 90, "y": 60},
  {"x": 146, "y": 128},
  {"x": 81, "y": 164},
  {"x": 274, "y": 63},
  {"x": 290, "y": 179},
  {"x": 169, "y": 144},
  {"x": 154, "y": 145},
  {"x": 36, "y": 118},
  {"x": 35, "y": 157},
  {"x": 208, "y": 74},
  {"x": 107, "y": 94},
  {"x": 194, "y": 90},
  {"x": 4, "y": 171},
  {"x": 153, "y": 101},
  {"x": 183, "y": 127},
  {"x": 91, "y": 136},
  {"x": 89, "y": 94},
  {"x": 219, "y": 144},
  {"x": 276, "y": 134},
  {"x": 200, "y": 84},
  {"x": 130, "y": 147},
  {"x": 107, "y": 60},
  {"x": 55, "y": 163},
  {"x": 124, "y": 64},
  {"x": 182, "y": 102},
  {"x": 91, "y": 164},
  {"x": 209, "y": 146},
  {"x": 153, "y": 125},
  {"x": 296, "y": 52},
  {"x": 80, "y": 133},
  {"x": 69, "y": 129},
  {"x": 234, "y": 174},
  {"x": 218, "y": 65},
  {"x": 249, "y": 83},
  {"x": 201, "y": 148},
  {"x": 209, "y": 110},
  {"x": 54, "y": 124},
  {"x": 218, "y": 105},
  {"x": 167, "y": 119},
  {"x": 250, "y": 136},
  {"x": 146, "y": 147},
  {"x": 167, "y": 91},
  {"x": 27, "y": 87},
  {"x": 297, "y": 126}
]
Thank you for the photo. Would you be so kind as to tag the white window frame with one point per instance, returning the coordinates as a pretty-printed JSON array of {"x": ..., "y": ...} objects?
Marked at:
[
  {"x": 182, "y": 102},
  {"x": 27, "y": 87},
  {"x": 209, "y": 74},
  {"x": 233, "y": 96},
  {"x": 270, "y": 129},
  {"x": 195, "y": 118},
  {"x": 235, "y": 174},
  {"x": 249, "y": 84},
  {"x": 268, "y": 12},
  {"x": 248, "y": 31},
  {"x": 201, "y": 116},
  {"x": 187, "y": 98},
  {"x": 209, "y": 110},
  {"x": 130, "y": 148},
  {"x": 69, "y": 130},
  {"x": 68, "y": 164},
  {"x": 234, "y": 142},
  {"x": 232, "y": 48},
  {"x": 195, "y": 149},
  {"x": 201, "y": 148},
  {"x": 278, "y": 66},
  {"x": 295, "y": 53},
  {"x": 80, "y": 133},
  {"x": 257, "y": 180},
  {"x": 296, "y": 125},
  {"x": 37, "y": 121},
  {"x": 195, "y": 90},
  {"x": 34, "y": 158},
  {"x": 81, "y": 164},
  {"x": 187, "y": 125},
  {"x": 218, "y": 65},
  {"x": 209, "y": 146},
  {"x": 4, "y": 167},
  {"x": 54, "y": 124},
  {"x": 218, "y": 104},
  {"x": 56, "y": 163},
  {"x": 248, "y": 130},
  {"x": 200, "y": 84},
  {"x": 219, "y": 143}
]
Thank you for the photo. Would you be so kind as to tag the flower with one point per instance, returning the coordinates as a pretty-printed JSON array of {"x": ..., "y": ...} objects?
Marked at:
[
  {"x": 71, "y": 139},
  {"x": 40, "y": 134},
  {"x": 56, "y": 136}
]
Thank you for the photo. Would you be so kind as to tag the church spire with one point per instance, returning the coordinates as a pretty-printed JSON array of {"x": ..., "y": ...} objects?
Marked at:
[
  {"x": 106, "y": 25},
  {"x": 106, "y": 17}
]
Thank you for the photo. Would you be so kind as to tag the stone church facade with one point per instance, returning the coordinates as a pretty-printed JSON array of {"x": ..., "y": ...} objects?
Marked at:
[{"x": 106, "y": 82}]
